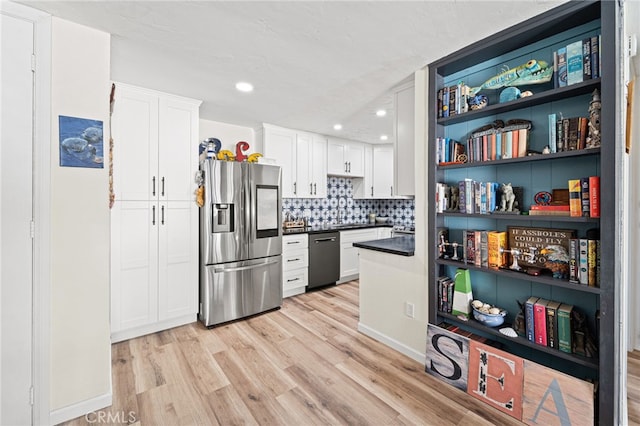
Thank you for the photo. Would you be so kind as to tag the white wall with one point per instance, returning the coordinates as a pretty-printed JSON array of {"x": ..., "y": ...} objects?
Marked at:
[
  {"x": 229, "y": 135},
  {"x": 388, "y": 281},
  {"x": 80, "y": 334}
]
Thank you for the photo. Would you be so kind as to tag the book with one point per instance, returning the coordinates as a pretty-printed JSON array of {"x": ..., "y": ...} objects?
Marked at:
[
  {"x": 445, "y": 102},
  {"x": 574, "y": 253},
  {"x": 462, "y": 198},
  {"x": 565, "y": 134},
  {"x": 582, "y": 132},
  {"x": 515, "y": 143},
  {"x": 484, "y": 249},
  {"x": 559, "y": 136},
  {"x": 595, "y": 57},
  {"x": 572, "y": 135},
  {"x": 594, "y": 196},
  {"x": 552, "y": 324},
  {"x": 495, "y": 241},
  {"x": 586, "y": 59},
  {"x": 591, "y": 263},
  {"x": 583, "y": 261},
  {"x": 551, "y": 210},
  {"x": 540, "y": 321},
  {"x": 584, "y": 197},
  {"x": 562, "y": 67},
  {"x": 453, "y": 94},
  {"x": 523, "y": 142},
  {"x": 574, "y": 63},
  {"x": 469, "y": 246},
  {"x": 508, "y": 152},
  {"x": 552, "y": 132},
  {"x": 597, "y": 264},
  {"x": 564, "y": 328},
  {"x": 575, "y": 198},
  {"x": 550, "y": 207},
  {"x": 528, "y": 318}
]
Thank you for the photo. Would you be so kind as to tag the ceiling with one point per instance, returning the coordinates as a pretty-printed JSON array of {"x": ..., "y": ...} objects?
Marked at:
[{"x": 313, "y": 64}]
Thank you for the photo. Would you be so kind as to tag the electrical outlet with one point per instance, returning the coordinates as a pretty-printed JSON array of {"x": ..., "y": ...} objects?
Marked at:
[{"x": 409, "y": 309}]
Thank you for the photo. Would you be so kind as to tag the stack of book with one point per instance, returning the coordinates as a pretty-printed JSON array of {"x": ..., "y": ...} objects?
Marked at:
[
  {"x": 452, "y": 100},
  {"x": 548, "y": 323},
  {"x": 584, "y": 197},
  {"x": 448, "y": 151},
  {"x": 567, "y": 134},
  {"x": 498, "y": 144},
  {"x": 483, "y": 248},
  {"x": 445, "y": 294},
  {"x": 577, "y": 62},
  {"x": 584, "y": 261},
  {"x": 477, "y": 197}
]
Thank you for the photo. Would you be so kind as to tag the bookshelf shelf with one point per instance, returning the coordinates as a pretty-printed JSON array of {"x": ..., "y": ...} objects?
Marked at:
[
  {"x": 523, "y": 217},
  {"x": 529, "y": 101},
  {"x": 521, "y": 276},
  {"x": 527, "y": 159},
  {"x": 537, "y": 38},
  {"x": 495, "y": 333}
]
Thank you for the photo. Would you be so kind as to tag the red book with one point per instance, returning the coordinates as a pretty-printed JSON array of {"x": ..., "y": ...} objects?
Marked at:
[
  {"x": 485, "y": 148},
  {"x": 540, "y": 321},
  {"x": 553, "y": 207},
  {"x": 515, "y": 145},
  {"x": 594, "y": 196}
]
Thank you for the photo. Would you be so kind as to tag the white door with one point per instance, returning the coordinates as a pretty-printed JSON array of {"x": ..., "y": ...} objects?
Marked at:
[
  {"x": 304, "y": 187},
  {"x": 336, "y": 157},
  {"x": 280, "y": 145},
  {"x": 318, "y": 166},
  {"x": 16, "y": 204},
  {"x": 355, "y": 159}
]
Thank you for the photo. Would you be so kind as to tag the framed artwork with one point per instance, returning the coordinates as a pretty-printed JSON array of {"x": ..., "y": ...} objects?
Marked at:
[{"x": 81, "y": 142}]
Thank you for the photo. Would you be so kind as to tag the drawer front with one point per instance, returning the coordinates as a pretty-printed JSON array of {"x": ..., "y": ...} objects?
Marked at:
[
  {"x": 295, "y": 259},
  {"x": 294, "y": 242},
  {"x": 359, "y": 235},
  {"x": 295, "y": 279}
]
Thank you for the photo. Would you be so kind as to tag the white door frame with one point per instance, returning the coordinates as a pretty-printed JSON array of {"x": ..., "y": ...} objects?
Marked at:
[{"x": 41, "y": 204}]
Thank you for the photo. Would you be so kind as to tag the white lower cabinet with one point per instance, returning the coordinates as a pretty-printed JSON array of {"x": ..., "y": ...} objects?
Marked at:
[
  {"x": 384, "y": 232},
  {"x": 295, "y": 264},
  {"x": 349, "y": 263},
  {"x": 154, "y": 267}
]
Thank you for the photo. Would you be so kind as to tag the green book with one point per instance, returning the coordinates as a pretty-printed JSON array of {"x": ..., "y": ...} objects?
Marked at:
[{"x": 564, "y": 327}]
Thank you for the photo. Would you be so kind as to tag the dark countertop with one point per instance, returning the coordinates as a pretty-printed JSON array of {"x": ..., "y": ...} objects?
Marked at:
[
  {"x": 333, "y": 228},
  {"x": 403, "y": 246}
]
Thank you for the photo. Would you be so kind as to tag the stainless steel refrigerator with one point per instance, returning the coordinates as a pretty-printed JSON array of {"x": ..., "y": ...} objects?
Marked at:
[{"x": 240, "y": 241}]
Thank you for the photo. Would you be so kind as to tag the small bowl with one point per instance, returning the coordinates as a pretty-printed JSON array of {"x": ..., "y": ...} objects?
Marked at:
[
  {"x": 490, "y": 320},
  {"x": 382, "y": 219}
]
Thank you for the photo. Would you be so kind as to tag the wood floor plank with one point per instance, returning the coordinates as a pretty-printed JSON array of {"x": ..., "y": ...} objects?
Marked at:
[{"x": 305, "y": 364}]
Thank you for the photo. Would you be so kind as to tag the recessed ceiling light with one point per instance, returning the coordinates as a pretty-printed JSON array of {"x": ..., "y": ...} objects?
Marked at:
[
  {"x": 337, "y": 126},
  {"x": 384, "y": 137},
  {"x": 244, "y": 86},
  {"x": 381, "y": 113}
]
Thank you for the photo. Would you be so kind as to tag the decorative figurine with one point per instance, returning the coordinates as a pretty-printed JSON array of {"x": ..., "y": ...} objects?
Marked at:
[
  {"x": 526, "y": 93},
  {"x": 556, "y": 260},
  {"x": 508, "y": 202},
  {"x": 515, "y": 253},
  {"x": 593, "y": 138},
  {"x": 546, "y": 150},
  {"x": 453, "y": 199},
  {"x": 477, "y": 102},
  {"x": 533, "y": 72},
  {"x": 241, "y": 147},
  {"x": 510, "y": 94}
]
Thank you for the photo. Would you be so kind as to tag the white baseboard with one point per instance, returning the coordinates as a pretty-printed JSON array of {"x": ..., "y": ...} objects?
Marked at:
[
  {"x": 421, "y": 357},
  {"x": 80, "y": 409},
  {"x": 122, "y": 335}
]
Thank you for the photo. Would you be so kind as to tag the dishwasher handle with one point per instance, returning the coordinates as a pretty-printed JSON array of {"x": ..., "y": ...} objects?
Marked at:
[{"x": 323, "y": 240}]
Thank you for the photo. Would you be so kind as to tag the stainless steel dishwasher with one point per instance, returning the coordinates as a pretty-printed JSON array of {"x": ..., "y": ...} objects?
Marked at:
[{"x": 324, "y": 259}]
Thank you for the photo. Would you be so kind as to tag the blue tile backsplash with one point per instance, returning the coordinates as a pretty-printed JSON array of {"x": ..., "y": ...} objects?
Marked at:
[{"x": 340, "y": 193}]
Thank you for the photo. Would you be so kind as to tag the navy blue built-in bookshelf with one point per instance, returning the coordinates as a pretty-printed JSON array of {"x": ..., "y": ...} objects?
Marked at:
[{"x": 537, "y": 39}]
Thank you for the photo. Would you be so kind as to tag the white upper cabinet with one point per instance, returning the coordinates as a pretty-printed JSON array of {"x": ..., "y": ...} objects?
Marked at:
[
  {"x": 345, "y": 158},
  {"x": 303, "y": 159},
  {"x": 404, "y": 170},
  {"x": 383, "y": 171},
  {"x": 155, "y": 145},
  {"x": 280, "y": 145}
]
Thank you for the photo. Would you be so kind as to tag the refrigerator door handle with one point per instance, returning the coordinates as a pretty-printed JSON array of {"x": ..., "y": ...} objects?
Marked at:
[{"x": 244, "y": 268}]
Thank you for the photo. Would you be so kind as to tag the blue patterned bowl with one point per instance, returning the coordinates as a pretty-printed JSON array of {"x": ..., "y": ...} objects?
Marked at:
[{"x": 490, "y": 320}]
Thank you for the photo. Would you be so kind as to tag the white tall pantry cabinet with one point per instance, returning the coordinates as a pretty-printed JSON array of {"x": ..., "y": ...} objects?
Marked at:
[{"x": 154, "y": 221}]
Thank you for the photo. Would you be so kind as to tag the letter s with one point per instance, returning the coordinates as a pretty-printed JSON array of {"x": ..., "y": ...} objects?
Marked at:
[{"x": 457, "y": 371}]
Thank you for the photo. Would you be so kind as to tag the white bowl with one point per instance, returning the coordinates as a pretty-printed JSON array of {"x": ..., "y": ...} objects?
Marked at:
[{"x": 382, "y": 219}]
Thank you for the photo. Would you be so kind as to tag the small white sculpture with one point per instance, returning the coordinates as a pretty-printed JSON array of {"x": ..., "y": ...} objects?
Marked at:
[{"x": 508, "y": 202}]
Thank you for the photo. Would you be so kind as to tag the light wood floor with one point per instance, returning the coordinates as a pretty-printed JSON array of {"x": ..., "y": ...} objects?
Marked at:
[{"x": 305, "y": 364}]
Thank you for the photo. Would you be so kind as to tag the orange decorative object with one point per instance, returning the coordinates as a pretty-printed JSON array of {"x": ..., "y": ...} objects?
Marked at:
[{"x": 241, "y": 147}]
